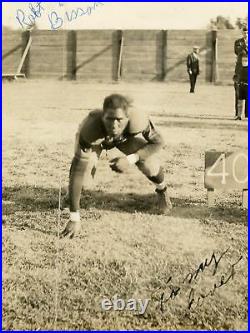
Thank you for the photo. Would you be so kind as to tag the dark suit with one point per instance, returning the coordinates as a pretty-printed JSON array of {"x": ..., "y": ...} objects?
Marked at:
[
  {"x": 193, "y": 70},
  {"x": 240, "y": 76},
  {"x": 243, "y": 89},
  {"x": 241, "y": 50}
]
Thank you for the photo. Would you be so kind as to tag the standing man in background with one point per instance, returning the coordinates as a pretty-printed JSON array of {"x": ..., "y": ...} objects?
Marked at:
[
  {"x": 241, "y": 70},
  {"x": 193, "y": 67}
]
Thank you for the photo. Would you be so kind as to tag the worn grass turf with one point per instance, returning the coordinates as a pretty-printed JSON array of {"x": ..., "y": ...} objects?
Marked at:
[{"x": 124, "y": 248}]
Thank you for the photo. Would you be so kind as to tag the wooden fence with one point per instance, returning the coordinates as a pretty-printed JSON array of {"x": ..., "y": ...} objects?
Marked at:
[{"x": 147, "y": 55}]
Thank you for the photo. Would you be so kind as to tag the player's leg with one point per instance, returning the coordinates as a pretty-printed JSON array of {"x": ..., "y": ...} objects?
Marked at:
[
  {"x": 151, "y": 168},
  {"x": 154, "y": 171}
]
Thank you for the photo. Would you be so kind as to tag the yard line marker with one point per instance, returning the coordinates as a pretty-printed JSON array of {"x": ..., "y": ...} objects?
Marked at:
[
  {"x": 59, "y": 214},
  {"x": 57, "y": 245}
]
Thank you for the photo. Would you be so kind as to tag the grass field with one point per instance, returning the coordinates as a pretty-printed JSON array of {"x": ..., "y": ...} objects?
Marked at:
[{"x": 124, "y": 248}]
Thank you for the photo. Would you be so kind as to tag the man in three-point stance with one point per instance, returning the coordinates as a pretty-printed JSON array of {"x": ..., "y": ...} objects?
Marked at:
[{"x": 133, "y": 133}]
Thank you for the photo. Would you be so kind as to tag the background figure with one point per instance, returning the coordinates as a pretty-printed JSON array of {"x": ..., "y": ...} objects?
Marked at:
[
  {"x": 243, "y": 92},
  {"x": 240, "y": 76},
  {"x": 237, "y": 102},
  {"x": 193, "y": 67}
]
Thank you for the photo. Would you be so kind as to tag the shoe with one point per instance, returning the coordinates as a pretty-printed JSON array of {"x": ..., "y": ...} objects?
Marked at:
[
  {"x": 164, "y": 204},
  {"x": 237, "y": 118}
]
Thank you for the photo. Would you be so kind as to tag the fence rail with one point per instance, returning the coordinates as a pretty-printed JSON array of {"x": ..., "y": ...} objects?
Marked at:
[{"x": 106, "y": 55}]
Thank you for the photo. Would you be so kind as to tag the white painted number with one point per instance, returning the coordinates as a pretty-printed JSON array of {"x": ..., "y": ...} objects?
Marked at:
[
  {"x": 223, "y": 174},
  {"x": 234, "y": 163}
]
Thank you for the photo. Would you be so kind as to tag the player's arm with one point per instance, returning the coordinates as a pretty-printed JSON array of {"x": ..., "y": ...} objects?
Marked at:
[
  {"x": 78, "y": 169},
  {"x": 154, "y": 142},
  {"x": 77, "y": 172}
]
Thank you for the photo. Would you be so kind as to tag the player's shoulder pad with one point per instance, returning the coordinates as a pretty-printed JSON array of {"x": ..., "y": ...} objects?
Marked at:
[
  {"x": 91, "y": 127},
  {"x": 138, "y": 121},
  {"x": 96, "y": 113},
  {"x": 91, "y": 118}
]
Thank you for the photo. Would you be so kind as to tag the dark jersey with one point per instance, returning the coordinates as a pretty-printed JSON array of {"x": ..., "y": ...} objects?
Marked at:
[{"x": 92, "y": 131}]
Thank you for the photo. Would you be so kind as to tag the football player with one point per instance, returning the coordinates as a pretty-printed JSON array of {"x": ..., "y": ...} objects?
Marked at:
[{"x": 133, "y": 133}]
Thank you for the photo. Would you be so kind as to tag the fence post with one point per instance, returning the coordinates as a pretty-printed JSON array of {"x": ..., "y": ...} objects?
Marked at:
[
  {"x": 215, "y": 74},
  {"x": 71, "y": 55},
  {"x": 164, "y": 55},
  {"x": 25, "y": 68},
  {"x": 120, "y": 54}
]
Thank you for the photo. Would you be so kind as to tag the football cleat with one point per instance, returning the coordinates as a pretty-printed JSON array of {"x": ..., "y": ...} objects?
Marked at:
[{"x": 164, "y": 204}]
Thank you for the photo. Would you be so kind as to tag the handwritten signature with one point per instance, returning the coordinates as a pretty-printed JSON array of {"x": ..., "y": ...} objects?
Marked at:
[
  {"x": 28, "y": 21},
  {"x": 56, "y": 21},
  {"x": 194, "y": 298}
]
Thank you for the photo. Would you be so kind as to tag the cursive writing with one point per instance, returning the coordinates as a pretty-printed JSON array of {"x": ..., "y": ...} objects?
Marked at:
[
  {"x": 203, "y": 265},
  {"x": 75, "y": 13},
  {"x": 57, "y": 21},
  {"x": 194, "y": 298},
  {"x": 224, "y": 279},
  {"x": 29, "y": 20}
]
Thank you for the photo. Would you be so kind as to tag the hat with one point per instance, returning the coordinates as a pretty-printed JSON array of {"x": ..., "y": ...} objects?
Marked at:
[
  {"x": 244, "y": 28},
  {"x": 196, "y": 47}
]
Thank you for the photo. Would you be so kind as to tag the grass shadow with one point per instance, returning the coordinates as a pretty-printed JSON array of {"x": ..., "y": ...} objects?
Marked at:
[
  {"x": 37, "y": 199},
  {"x": 194, "y": 209},
  {"x": 28, "y": 198}
]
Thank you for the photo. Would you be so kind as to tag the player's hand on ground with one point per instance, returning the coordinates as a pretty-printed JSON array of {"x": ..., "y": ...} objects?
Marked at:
[
  {"x": 72, "y": 229},
  {"x": 119, "y": 164}
]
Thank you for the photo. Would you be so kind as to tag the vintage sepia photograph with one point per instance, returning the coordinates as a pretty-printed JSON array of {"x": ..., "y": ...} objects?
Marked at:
[{"x": 125, "y": 166}]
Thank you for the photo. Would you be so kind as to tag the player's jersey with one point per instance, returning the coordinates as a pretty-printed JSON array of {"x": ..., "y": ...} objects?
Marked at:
[
  {"x": 92, "y": 138},
  {"x": 92, "y": 130}
]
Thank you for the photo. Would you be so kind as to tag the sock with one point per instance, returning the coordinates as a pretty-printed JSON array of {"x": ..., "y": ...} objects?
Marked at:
[{"x": 161, "y": 186}]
